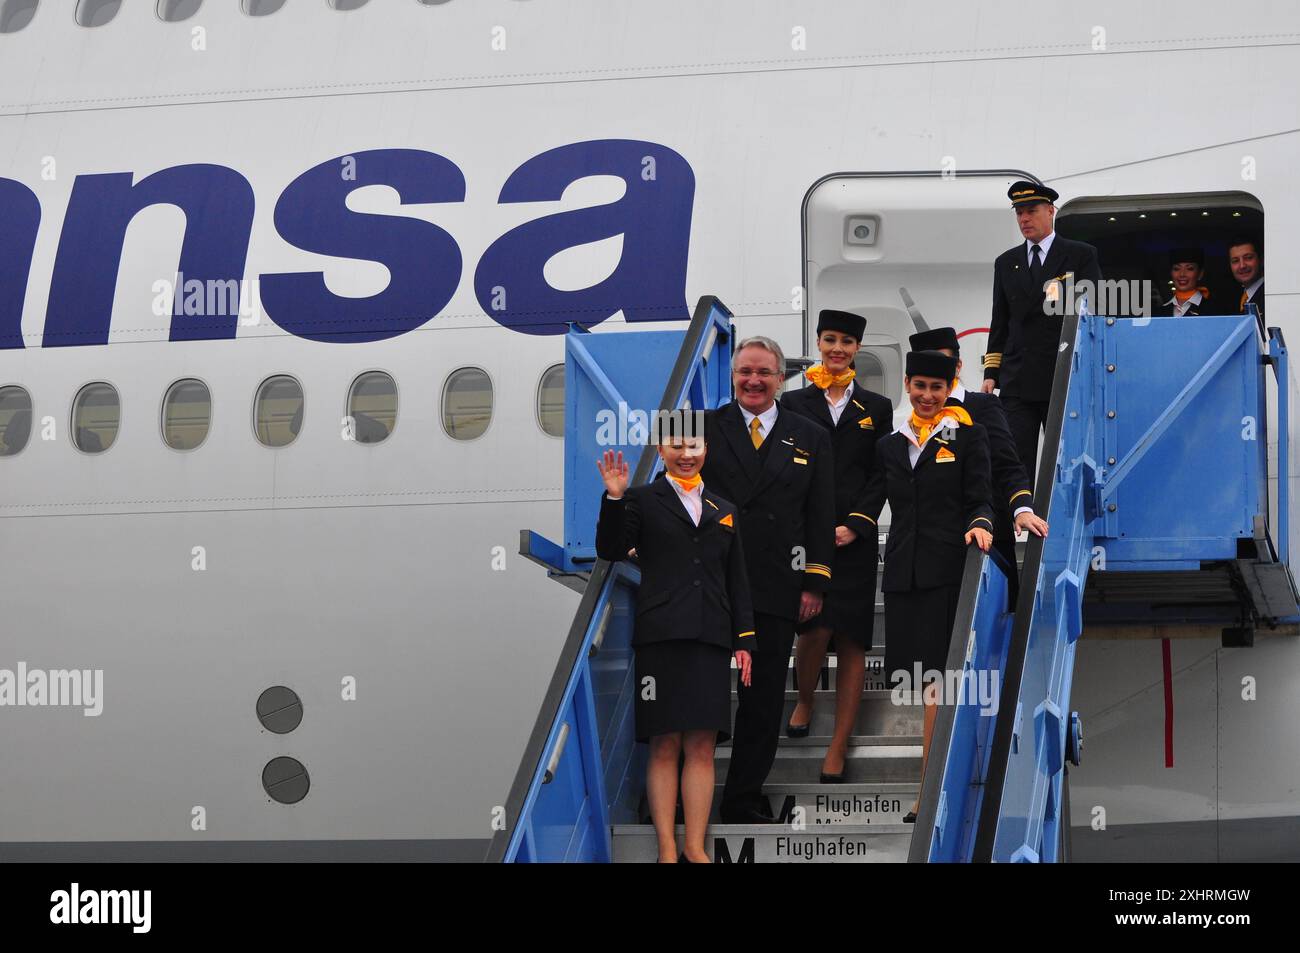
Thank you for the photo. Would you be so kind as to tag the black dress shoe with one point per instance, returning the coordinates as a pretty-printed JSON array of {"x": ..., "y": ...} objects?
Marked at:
[
  {"x": 909, "y": 817},
  {"x": 797, "y": 731},
  {"x": 832, "y": 778}
]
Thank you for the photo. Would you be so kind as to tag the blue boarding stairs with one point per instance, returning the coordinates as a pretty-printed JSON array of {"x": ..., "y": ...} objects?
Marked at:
[{"x": 1162, "y": 515}]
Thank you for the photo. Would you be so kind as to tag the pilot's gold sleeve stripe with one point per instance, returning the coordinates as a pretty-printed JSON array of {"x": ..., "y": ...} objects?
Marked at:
[
  {"x": 978, "y": 519},
  {"x": 818, "y": 570},
  {"x": 743, "y": 634},
  {"x": 865, "y": 517},
  {"x": 1016, "y": 496},
  {"x": 993, "y": 359}
]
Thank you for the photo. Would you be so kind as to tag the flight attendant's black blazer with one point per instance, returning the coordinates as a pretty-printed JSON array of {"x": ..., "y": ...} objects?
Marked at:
[
  {"x": 932, "y": 506},
  {"x": 693, "y": 583},
  {"x": 1021, "y": 358},
  {"x": 1010, "y": 479},
  {"x": 866, "y": 418},
  {"x": 786, "y": 500}
]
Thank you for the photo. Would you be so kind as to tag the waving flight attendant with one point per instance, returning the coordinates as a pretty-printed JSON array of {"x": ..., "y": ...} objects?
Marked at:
[{"x": 693, "y": 611}]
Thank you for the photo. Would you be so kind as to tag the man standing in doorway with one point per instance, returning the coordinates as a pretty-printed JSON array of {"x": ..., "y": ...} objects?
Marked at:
[{"x": 1028, "y": 282}]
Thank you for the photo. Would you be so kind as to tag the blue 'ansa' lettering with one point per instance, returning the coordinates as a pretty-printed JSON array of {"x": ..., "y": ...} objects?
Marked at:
[{"x": 424, "y": 261}]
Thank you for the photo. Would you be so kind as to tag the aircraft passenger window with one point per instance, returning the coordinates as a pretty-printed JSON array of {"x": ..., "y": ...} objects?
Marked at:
[
  {"x": 174, "y": 11},
  {"x": 187, "y": 412},
  {"x": 467, "y": 403},
  {"x": 372, "y": 405},
  {"x": 16, "y": 14},
  {"x": 278, "y": 412},
  {"x": 96, "y": 415},
  {"x": 550, "y": 401},
  {"x": 346, "y": 5},
  {"x": 15, "y": 419},
  {"x": 96, "y": 12},
  {"x": 261, "y": 8}
]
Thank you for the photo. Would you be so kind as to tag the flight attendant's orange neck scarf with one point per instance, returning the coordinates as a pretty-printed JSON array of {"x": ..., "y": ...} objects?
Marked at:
[
  {"x": 822, "y": 377},
  {"x": 1182, "y": 296},
  {"x": 922, "y": 426},
  {"x": 687, "y": 483}
]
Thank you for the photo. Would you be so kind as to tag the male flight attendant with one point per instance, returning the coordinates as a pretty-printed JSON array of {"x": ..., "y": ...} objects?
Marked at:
[
  {"x": 776, "y": 466},
  {"x": 1247, "y": 264},
  {"x": 1024, "y": 334}
]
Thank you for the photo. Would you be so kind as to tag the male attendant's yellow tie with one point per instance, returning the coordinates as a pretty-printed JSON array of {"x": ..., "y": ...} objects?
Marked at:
[
  {"x": 755, "y": 437},
  {"x": 1241, "y": 305}
]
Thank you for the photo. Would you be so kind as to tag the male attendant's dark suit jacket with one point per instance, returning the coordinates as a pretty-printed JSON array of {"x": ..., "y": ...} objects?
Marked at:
[
  {"x": 865, "y": 419},
  {"x": 786, "y": 496},
  {"x": 1010, "y": 480},
  {"x": 1257, "y": 299},
  {"x": 1023, "y": 337},
  {"x": 693, "y": 583},
  {"x": 932, "y": 506}
]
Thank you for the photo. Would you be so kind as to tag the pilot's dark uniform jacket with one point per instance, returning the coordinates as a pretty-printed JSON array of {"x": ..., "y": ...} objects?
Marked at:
[
  {"x": 785, "y": 492},
  {"x": 849, "y": 604},
  {"x": 936, "y": 494},
  {"x": 1023, "y": 336},
  {"x": 1190, "y": 303},
  {"x": 1011, "y": 493},
  {"x": 692, "y": 609}
]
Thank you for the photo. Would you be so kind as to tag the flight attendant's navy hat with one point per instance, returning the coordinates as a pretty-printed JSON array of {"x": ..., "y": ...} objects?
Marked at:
[
  {"x": 931, "y": 364},
  {"x": 846, "y": 322},
  {"x": 1194, "y": 255},
  {"x": 936, "y": 339},
  {"x": 1027, "y": 193}
]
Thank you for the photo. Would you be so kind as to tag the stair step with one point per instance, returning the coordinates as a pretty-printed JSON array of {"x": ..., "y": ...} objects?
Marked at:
[
  {"x": 802, "y": 764},
  {"x": 777, "y": 843},
  {"x": 836, "y": 805},
  {"x": 877, "y": 715},
  {"x": 820, "y": 742}
]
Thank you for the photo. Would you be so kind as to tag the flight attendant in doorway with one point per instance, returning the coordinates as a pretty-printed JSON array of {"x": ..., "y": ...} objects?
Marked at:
[
  {"x": 693, "y": 612},
  {"x": 934, "y": 473},
  {"x": 854, "y": 417}
]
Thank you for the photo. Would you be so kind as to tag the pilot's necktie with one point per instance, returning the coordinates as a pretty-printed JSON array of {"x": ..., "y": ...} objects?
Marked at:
[
  {"x": 755, "y": 437},
  {"x": 1036, "y": 266}
]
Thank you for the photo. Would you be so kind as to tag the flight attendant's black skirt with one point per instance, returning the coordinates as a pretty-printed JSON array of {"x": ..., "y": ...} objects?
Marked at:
[
  {"x": 849, "y": 607},
  {"x": 692, "y": 688},
  {"x": 918, "y": 627}
]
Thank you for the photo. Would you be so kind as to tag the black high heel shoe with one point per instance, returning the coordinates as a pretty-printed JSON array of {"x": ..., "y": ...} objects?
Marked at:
[
  {"x": 909, "y": 817},
  {"x": 832, "y": 778},
  {"x": 797, "y": 731}
]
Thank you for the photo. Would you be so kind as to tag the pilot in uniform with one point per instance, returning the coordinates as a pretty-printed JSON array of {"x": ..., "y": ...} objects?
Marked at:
[
  {"x": 934, "y": 473},
  {"x": 854, "y": 417},
  {"x": 776, "y": 466},
  {"x": 692, "y": 612},
  {"x": 1024, "y": 334},
  {"x": 1013, "y": 503},
  {"x": 1190, "y": 297}
]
